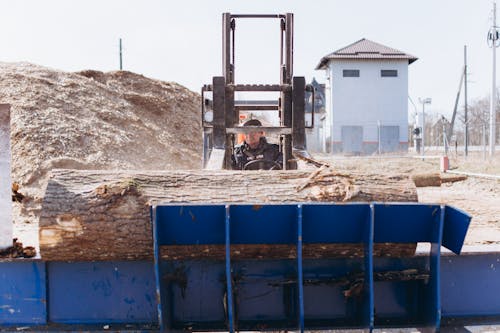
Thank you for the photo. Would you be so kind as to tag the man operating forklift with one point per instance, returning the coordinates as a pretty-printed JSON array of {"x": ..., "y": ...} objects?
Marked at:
[{"x": 255, "y": 153}]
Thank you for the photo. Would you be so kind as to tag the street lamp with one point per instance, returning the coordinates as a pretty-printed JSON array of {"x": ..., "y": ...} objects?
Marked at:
[{"x": 424, "y": 101}]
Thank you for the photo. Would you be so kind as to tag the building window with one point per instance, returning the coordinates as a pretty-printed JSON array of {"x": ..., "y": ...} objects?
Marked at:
[
  {"x": 389, "y": 73},
  {"x": 350, "y": 73}
]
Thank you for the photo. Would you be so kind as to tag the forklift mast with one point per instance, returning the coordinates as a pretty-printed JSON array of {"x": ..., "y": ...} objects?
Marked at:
[{"x": 220, "y": 128}]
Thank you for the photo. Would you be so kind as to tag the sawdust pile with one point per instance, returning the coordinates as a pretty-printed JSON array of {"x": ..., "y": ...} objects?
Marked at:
[{"x": 94, "y": 120}]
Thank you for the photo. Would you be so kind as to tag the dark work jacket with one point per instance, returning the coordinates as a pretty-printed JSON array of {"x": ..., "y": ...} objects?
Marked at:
[{"x": 264, "y": 151}]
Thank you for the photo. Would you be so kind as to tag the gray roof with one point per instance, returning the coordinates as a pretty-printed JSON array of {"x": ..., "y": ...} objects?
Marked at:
[{"x": 365, "y": 49}]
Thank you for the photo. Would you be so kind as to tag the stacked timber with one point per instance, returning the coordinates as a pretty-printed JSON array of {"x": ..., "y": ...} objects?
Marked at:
[{"x": 105, "y": 215}]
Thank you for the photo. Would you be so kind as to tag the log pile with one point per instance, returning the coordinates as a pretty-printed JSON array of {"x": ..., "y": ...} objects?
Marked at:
[{"x": 105, "y": 215}]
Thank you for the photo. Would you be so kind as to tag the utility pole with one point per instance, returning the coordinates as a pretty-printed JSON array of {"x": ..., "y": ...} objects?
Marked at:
[
  {"x": 466, "y": 136},
  {"x": 445, "y": 136},
  {"x": 484, "y": 141},
  {"x": 121, "y": 63},
  {"x": 423, "y": 129},
  {"x": 424, "y": 101},
  {"x": 493, "y": 42}
]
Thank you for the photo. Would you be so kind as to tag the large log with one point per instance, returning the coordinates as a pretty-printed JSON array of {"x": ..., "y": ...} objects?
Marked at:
[{"x": 104, "y": 215}]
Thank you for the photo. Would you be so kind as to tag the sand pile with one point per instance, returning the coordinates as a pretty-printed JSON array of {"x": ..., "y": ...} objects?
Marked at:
[{"x": 94, "y": 120}]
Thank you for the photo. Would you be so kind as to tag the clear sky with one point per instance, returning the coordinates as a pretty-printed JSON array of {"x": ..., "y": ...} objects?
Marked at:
[{"x": 181, "y": 40}]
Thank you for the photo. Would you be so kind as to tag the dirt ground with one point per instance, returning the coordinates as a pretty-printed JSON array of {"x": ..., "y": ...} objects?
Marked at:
[{"x": 479, "y": 197}]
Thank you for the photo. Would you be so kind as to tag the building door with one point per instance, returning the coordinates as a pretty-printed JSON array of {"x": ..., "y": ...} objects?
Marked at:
[
  {"x": 352, "y": 139},
  {"x": 389, "y": 139}
]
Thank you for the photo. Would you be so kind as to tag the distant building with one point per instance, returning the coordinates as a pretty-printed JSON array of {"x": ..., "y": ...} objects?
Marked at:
[
  {"x": 315, "y": 135},
  {"x": 366, "y": 98}
]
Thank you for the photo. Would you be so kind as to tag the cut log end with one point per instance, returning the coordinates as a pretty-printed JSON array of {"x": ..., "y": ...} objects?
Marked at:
[{"x": 427, "y": 179}]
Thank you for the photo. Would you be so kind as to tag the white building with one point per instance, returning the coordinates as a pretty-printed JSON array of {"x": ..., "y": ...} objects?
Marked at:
[
  {"x": 366, "y": 98},
  {"x": 315, "y": 127}
]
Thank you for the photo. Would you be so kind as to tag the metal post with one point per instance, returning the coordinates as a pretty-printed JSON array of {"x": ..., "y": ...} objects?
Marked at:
[
  {"x": 289, "y": 47},
  {"x": 493, "y": 41},
  {"x": 484, "y": 141},
  {"x": 226, "y": 48},
  {"x": 466, "y": 136},
  {"x": 286, "y": 96},
  {"x": 229, "y": 279},
  {"x": 445, "y": 138},
  {"x": 121, "y": 62},
  {"x": 423, "y": 129},
  {"x": 424, "y": 101},
  {"x": 300, "y": 273},
  {"x": 378, "y": 134}
]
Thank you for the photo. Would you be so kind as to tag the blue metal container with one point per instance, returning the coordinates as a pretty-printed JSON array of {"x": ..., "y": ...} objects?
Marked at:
[{"x": 430, "y": 289}]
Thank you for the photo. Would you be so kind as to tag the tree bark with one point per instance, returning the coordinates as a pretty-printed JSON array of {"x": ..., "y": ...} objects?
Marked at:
[
  {"x": 105, "y": 215},
  {"x": 427, "y": 179},
  {"x": 435, "y": 179},
  {"x": 449, "y": 178}
]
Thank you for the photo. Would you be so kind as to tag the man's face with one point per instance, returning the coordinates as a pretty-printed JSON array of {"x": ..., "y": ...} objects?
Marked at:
[{"x": 253, "y": 139}]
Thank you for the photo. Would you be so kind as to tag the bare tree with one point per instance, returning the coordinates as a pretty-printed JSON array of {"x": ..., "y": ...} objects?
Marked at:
[{"x": 478, "y": 120}]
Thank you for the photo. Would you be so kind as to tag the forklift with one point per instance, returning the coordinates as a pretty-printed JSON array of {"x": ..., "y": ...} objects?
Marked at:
[{"x": 220, "y": 116}]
